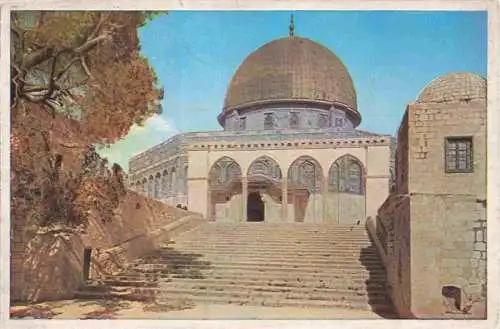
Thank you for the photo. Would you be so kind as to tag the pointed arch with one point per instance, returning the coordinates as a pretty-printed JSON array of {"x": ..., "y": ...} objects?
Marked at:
[
  {"x": 173, "y": 180},
  {"x": 157, "y": 185},
  {"x": 305, "y": 173},
  {"x": 347, "y": 175},
  {"x": 164, "y": 184},
  {"x": 224, "y": 172},
  {"x": 264, "y": 167},
  {"x": 150, "y": 185}
]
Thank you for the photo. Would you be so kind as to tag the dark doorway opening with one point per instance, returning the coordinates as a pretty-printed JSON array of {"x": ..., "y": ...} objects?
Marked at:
[
  {"x": 255, "y": 207},
  {"x": 87, "y": 253}
]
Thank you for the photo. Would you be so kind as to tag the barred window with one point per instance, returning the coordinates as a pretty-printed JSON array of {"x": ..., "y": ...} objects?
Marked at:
[
  {"x": 322, "y": 120},
  {"x": 294, "y": 119},
  {"x": 339, "y": 122},
  {"x": 243, "y": 123},
  {"x": 268, "y": 121},
  {"x": 458, "y": 157}
]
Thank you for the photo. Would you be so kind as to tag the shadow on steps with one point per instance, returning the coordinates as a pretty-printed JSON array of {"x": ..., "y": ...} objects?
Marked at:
[
  {"x": 143, "y": 278},
  {"x": 385, "y": 309}
]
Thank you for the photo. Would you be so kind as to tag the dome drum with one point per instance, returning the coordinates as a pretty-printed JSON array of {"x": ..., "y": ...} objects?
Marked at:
[{"x": 299, "y": 105}]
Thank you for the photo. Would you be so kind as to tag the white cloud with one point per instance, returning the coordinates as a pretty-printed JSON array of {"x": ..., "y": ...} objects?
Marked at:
[{"x": 155, "y": 130}]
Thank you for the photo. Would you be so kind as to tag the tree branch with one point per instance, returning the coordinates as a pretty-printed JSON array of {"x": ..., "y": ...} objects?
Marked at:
[
  {"x": 89, "y": 44},
  {"x": 97, "y": 27},
  {"x": 85, "y": 67},
  {"x": 36, "y": 57},
  {"x": 66, "y": 68},
  {"x": 72, "y": 145}
]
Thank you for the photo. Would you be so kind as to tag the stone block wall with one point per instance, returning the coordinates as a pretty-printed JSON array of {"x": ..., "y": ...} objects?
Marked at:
[
  {"x": 425, "y": 251},
  {"x": 448, "y": 249},
  {"x": 393, "y": 237},
  {"x": 344, "y": 208},
  {"x": 50, "y": 265},
  {"x": 431, "y": 230},
  {"x": 401, "y": 157},
  {"x": 429, "y": 125}
]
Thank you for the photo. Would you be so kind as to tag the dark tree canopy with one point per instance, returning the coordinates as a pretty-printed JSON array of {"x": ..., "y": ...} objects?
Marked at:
[
  {"x": 85, "y": 65},
  {"x": 78, "y": 79}
]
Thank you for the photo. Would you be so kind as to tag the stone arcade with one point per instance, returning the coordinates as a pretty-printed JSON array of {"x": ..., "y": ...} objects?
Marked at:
[{"x": 289, "y": 151}]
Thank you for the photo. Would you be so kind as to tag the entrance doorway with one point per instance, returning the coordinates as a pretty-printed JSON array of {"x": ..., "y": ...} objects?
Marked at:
[{"x": 255, "y": 207}]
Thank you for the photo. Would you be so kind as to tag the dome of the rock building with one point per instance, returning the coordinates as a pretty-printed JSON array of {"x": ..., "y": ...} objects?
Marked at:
[
  {"x": 459, "y": 86},
  {"x": 292, "y": 69}
]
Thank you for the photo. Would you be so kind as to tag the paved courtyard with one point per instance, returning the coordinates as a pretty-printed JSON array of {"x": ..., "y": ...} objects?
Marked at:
[{"x": 117, "y": 309}]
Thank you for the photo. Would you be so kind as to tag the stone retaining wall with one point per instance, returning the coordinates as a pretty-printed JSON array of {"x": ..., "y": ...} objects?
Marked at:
[{"x": 49, "y": 266}]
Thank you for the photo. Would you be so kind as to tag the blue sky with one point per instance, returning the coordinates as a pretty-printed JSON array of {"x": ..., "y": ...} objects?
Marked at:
[{"x": 390, "y": 55}]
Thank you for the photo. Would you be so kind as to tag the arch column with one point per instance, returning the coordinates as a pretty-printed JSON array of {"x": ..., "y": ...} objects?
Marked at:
[
  {"x": 244, "y": 185},
  {"x": 324, "y": 192},
  {"x": 284, "y": 200},
  {"x": 209, "y": 205}
]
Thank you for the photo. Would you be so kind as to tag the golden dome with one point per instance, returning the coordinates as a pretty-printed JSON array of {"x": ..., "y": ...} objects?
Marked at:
[
  {"x": 291, "y": 69},
  {"x": 459, "y": 86}
]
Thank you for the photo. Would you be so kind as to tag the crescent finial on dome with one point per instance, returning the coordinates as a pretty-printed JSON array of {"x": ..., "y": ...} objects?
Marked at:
[{"x": 291, "y": 28}]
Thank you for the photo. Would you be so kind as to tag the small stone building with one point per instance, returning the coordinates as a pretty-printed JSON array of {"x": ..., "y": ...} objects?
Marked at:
[
  {"x": 289, "y": 151},
  {"x": 432, "y": 228}
]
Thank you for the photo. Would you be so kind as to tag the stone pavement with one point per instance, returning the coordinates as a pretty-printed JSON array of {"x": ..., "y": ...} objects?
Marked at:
[{"x": 118, "y": 309}]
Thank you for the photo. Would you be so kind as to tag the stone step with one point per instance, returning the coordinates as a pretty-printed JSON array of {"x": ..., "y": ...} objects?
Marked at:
[
  {"x": 221, "y": 258},
  {"x": 259, "y": 276},
  {"x": 381, "y": 308},
  {"x": 291, "y": 248},
  {"x": 229, "y": 288},
  {"x": 241, "y": 294},
  {"x": 288, "y": 243},
  {"x": 280, "y": 227},
  {"x": 261, "y": 266},
  {"x": 260, "y": 285},
  {"x": 299, "y": 265},
  {"x": 127, "y": 281},
  {"x": 191, "y": 252},
  {"x": 198, "y": 252},
  {"x": 277, "y": 233},
  {"x": 270, "y": 230},
  {"x": 356, "y": 285},
  {"x": 260, "y": 263},
  {"x": 244, "y": 272},
  {"x": 206, "y": 288}
]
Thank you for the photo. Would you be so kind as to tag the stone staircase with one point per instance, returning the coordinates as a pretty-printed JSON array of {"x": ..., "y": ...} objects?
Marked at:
[{"x": 299, "y": 265}]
